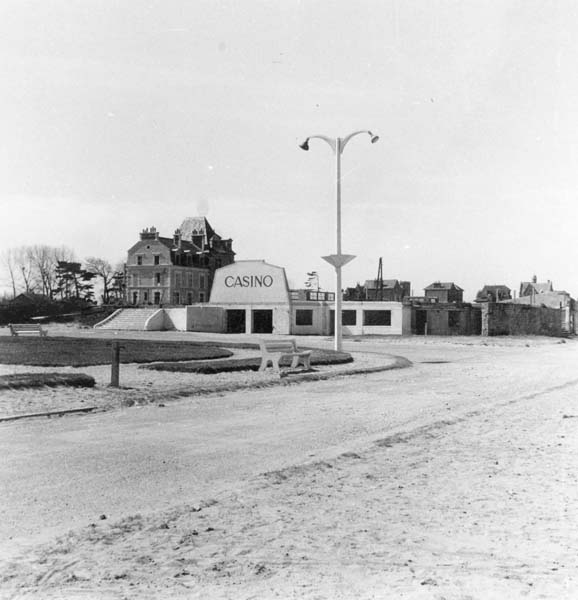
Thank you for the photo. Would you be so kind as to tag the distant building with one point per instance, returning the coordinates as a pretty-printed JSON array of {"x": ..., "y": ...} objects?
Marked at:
[
  {"x": 29, "y": 299},
  {"x": 177, "y": 270},
  {"x": 387, "y": 290},
  {"x": 532, "y": 288},
  {"x": 494, "y": 293},
  {"x": 444, "y": 292}
]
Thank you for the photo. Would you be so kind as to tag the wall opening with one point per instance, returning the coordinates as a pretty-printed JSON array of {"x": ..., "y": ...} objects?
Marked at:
[
  {"x": 236, "y": 321},
  {"x": 262, "y": 321}
]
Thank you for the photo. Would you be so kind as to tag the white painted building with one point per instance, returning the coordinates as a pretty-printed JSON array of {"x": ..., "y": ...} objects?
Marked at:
[{"x": 253, "y": 296}]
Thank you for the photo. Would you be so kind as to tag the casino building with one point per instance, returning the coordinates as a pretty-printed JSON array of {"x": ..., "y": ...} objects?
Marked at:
[{"x": 253, "y": 296}]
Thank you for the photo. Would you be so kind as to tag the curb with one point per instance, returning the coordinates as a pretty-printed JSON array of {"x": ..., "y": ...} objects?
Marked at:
[{"x": 56, "y": 413}]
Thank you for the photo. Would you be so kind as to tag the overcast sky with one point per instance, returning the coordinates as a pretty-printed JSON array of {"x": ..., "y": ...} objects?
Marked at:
[{"x": 120, "y": 115}]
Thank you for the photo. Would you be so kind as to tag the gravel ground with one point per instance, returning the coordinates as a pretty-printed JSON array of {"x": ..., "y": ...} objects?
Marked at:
[{"x": 465, "y": 489}]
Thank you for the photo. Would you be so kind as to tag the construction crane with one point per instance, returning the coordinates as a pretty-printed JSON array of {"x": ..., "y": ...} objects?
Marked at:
[{"x": 379, "y": 281}]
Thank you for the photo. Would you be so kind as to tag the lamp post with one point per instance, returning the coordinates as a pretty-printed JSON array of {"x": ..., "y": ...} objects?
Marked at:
[{"x": 338, "y": 260}]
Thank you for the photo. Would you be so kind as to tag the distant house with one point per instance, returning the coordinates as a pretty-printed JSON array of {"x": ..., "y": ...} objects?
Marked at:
[
  {"x": 444, "y": 292},
  {"x": 532, "y": 288},
  {"x": 176, "y": 270},
  {"x": 29, "y": 299},
  {"x": 388, "y": 290},
  {"x": 494, "y": 293}
]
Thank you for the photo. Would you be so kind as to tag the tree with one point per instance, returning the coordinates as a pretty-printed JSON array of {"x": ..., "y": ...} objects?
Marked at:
[
  {"x": 33, "y": 268},
  {"x": 118, "y": 284},
  {"x": 44, "y": 260},
  {"x": 9, "y": 261},
  {"x": 74, "y": 282},
  {"x": 312, "y": 281},
  {"x": 103, "y": 269}
]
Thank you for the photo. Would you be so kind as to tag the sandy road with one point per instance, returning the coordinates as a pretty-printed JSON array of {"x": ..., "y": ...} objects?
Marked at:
[{"x": 65, "y": 473}]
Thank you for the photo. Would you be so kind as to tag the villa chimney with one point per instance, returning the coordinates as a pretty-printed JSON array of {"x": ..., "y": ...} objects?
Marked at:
[{"x": 177, "y": 238}]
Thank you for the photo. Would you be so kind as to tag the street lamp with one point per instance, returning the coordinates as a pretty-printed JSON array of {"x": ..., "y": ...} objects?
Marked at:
[{"x": 338, "y": 260}]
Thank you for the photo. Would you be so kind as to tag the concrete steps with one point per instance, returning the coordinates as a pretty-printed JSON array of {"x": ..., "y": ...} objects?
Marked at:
[{"x": 128, "y": 319}]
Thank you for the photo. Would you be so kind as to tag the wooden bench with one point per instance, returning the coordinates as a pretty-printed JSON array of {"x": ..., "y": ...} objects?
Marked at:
[
  {"x": 272, "y": 351},
  {"x": 27, "y": 329}
]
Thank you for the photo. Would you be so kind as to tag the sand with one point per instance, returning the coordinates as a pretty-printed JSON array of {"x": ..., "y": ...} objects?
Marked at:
[{"x": 476, "y": 499}]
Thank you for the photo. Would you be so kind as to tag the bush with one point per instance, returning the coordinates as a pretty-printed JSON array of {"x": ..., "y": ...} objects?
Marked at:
[{"x": 36, "y": 380}]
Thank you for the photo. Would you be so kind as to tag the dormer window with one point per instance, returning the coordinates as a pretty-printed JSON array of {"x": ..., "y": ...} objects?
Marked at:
[
  {"x": 157, "y": 259},
  {"x": 139, "y": 259}
]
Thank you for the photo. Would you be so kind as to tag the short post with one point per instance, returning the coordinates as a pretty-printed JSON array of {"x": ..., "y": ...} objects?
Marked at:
[{"x": 115, "y": 364}]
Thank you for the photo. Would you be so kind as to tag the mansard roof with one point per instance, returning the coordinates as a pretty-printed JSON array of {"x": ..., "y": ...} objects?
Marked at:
[{"x": 443, "y": 285}]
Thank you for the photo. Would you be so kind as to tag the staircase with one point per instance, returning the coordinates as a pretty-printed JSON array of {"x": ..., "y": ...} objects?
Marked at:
[{"x": 128, "y": 319}]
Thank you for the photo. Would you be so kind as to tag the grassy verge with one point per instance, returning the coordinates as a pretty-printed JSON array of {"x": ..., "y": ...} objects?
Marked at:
[
  {"x": 318, "y": 357},
  {"x": 81, "y": 352}
]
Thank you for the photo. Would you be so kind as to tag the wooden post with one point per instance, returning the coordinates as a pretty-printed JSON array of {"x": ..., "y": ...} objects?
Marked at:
[{"x": 115, "y": 364}]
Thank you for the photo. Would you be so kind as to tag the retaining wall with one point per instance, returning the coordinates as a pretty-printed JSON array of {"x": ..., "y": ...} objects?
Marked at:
[{"x": 521, "y": 319}]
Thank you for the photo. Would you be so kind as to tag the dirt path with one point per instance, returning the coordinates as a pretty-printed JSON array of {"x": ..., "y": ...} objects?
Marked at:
[{"x": 437, "y": 481}]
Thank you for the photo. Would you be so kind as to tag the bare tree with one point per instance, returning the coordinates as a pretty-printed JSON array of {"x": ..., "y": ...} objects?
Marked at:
[
  {"x": 103, "y": 269},
  {"x": 9, "y": 262},
  {"x": 33, "y": 268}
]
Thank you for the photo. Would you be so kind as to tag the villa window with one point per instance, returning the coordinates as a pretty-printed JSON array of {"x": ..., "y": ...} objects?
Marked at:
[
  {"x": 157, "y": 259},
  {"x": 139, "y": 259}
]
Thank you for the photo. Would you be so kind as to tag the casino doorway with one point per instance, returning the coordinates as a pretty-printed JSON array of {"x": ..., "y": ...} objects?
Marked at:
[
  {"x": 235, "y": 321},
  {"x": 262, "y": 321}
]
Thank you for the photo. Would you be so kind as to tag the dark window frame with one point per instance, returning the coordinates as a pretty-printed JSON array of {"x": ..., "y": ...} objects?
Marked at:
[
  {"x": 377, "y": 318},
  {"x": 349, "y": 317},
  {"x": 304, "y": 317}
]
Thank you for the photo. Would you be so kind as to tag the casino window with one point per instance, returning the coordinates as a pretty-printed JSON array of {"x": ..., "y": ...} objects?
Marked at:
[
  {"x": 158, "y": 278},
  {"x": 349, "y": 317},
  {"x": 157, "y": 258},
  {"x": 303, "y": 317},
  {"x": 377, "y": 318},
  {"x": 139, "y": 259}
]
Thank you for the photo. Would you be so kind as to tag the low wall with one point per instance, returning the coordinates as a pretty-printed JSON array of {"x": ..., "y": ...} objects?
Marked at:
[
  {"x": 206, "y": 318},
  {"x": 521, "y": 319},
  {"x": 156, "y": 322}
]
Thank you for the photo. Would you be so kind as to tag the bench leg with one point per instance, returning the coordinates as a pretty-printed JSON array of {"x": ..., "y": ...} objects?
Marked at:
[
  {"x": 307, "y": 362},
  {"x": 264, "y": 363},
  {"x": 294, "y": 362}
]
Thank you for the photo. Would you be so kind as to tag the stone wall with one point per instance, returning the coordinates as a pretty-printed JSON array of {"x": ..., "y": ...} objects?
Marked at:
[{"x": 521, "y": 319}]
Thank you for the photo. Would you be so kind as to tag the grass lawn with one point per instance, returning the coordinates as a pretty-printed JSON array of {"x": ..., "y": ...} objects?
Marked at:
[
  {"x": 318, "y": 357},
  {"x": 80, "y": 352}
]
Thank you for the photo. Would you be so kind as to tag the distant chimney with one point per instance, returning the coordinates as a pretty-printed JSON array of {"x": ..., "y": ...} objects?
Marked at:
[
  {"x": 534, "y": 279},
  {"x": 149, "y": 234},
  {"x": 177, "y": 238}
]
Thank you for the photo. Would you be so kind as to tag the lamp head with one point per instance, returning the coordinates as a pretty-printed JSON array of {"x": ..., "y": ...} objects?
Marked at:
[
  {"x": 374, "y": 137},
  {"x": 305, "y": 145}
]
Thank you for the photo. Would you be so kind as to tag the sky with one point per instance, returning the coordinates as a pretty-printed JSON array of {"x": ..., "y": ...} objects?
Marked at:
[{"x": 116, "y": 116}]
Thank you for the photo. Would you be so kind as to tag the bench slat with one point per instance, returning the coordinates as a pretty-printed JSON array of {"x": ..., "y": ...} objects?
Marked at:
[{"x": 17, "y": 329}]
